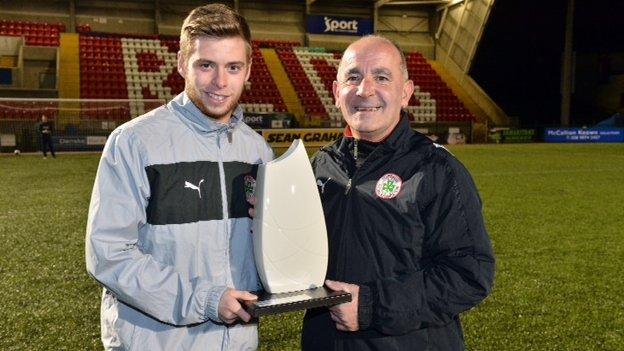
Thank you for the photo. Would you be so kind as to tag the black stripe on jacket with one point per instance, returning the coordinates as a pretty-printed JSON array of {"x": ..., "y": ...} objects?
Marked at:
[{"x": 188, "y": 192}]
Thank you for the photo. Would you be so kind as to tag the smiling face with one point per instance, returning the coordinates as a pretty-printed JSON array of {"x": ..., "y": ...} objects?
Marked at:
[
  {"x": 371, "y": 88},
  {"x": 215, "y": 73}
]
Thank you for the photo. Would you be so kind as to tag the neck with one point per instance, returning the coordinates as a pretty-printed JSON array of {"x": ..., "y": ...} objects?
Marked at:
[
  {"x": 221, "y": 120},
  {"x": 373, "y": 137}
]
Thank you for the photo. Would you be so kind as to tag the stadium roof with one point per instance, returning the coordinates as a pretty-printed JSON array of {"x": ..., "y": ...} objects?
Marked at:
[{"x": 379, "y": 3}]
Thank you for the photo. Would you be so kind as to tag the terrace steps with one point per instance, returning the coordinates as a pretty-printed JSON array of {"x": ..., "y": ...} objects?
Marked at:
[{"x": 285, "y": 87}]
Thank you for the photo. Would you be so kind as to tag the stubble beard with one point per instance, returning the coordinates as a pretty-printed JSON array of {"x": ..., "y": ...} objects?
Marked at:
[{"x": 209, "y": 112}]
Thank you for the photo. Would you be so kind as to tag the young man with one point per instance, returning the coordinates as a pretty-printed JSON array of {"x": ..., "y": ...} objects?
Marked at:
[
  {"x": 168, "y": 233},
  {"x": 46, "y": 129},
  {"x": 406, "y": 234}
]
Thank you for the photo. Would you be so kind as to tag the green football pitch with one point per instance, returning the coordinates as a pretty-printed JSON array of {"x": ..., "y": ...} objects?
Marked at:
[{"x": 555, "y": 214}]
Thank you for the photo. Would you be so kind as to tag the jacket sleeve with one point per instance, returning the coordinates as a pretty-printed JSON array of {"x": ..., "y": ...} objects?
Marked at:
[
  {"x": 112, "y": 248},
  {"x": 457, "y": 268}
]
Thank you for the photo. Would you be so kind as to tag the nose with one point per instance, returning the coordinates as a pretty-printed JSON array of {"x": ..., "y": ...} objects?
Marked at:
[
  {"x": 220, "y": 78},
  {"x": 366, "y": 87}
]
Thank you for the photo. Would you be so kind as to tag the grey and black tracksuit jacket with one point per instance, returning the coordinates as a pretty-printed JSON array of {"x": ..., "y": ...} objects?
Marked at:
[
  {"x": 168, "y": 229},
  {"x": 420, "y": 256}
]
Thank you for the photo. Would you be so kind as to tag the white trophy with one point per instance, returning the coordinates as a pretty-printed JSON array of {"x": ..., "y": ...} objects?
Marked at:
[{"x": 290, "y": 237}]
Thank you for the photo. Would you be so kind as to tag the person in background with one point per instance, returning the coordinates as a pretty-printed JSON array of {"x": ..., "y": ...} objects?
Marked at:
[
  {"x": 46, "y": 128},
  {"x": 406, "y": 234},
  {"x": 168, "y": 233}
]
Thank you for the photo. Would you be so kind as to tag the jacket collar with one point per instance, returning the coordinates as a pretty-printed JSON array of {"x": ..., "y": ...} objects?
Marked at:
[
  {"x": 197, "y": 119},
  {"x": 401, "y": 132}
]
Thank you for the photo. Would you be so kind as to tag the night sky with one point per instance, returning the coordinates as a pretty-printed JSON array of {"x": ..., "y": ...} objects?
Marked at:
[{"x": 518, "y": 62}]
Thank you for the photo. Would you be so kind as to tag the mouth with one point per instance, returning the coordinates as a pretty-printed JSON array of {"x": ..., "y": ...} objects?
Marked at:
[
  {"x": 217, "y": 97},
  {"x": 367, "y": 108}
]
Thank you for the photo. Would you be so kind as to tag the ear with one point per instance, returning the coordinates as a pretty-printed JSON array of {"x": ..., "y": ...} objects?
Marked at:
[
  {"x": 408, "y": 91},
  {"x": 336, "y": 91},
  {"x": 181, "y": 65}
]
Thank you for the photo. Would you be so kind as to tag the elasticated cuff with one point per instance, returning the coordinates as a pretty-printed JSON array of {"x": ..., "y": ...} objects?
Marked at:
[{"x": 212, "y": 303}]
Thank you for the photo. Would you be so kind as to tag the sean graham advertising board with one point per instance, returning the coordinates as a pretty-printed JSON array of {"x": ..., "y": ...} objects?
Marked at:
[{"x": 311, "y": 137}]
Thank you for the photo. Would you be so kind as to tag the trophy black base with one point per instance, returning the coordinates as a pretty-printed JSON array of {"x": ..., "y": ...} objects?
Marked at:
[{"x": 268, "y": 304}]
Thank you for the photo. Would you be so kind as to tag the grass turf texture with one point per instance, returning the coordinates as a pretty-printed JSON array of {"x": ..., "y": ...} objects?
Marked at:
[{"x": 554, "y": 213}]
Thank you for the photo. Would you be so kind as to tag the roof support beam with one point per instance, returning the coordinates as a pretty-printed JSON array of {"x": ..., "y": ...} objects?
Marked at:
[{"x": 380, "y": 3}]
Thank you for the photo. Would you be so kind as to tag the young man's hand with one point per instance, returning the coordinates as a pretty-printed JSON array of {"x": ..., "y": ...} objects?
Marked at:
[
  {"x": 345, "y": 315},
  {"x": 230, "y": 308}
]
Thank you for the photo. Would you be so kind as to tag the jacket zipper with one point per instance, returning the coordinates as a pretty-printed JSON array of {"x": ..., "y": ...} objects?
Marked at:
[
  {"x": 348, "y": 188},
  {"x": 355, "y": 157}
]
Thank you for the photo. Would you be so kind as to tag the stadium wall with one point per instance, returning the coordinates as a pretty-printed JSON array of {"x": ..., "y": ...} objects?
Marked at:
[
  {"x": 40, "y": 11},
  {"x": 281, "y": 20},
  {"x": 124, "y": 17},
  {"x": 33, "y": 69},
  {"x": 410, "y": 26},
  {"x": 278, "y": 20},
  {"x": 40, "y": 67},
  {"x": 411, "y": 29},
  {"x": 11, "y": 54}
]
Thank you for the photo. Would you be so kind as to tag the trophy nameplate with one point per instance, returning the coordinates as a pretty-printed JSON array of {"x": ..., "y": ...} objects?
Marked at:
[{"x": 290, "y": 237}]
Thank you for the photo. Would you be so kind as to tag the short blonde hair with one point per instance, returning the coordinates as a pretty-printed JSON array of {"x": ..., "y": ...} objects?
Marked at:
[{"x": 214, "y": 21}]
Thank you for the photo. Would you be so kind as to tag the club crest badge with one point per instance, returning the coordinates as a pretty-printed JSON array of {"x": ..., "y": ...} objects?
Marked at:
[
  {"x": 250, "y": 186},
  {"x": 388, "y": 186}
]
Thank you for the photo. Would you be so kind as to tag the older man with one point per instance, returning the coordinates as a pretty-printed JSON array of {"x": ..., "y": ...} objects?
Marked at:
[
  {"x": 406, "y": 233},
  {"x": 168, "y": 234}
]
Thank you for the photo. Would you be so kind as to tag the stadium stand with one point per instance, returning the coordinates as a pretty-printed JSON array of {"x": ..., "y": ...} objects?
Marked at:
[
  {"x": 97, "y": 66},
  {"x": 123, "y": 66},
  {"x": 301, "y": 82},
  {"x": 261, "y": 94},
  {"x": 35, "y": 33},
  {"x": 321, "y": 68},
  {"x": 433, "y": 100}
]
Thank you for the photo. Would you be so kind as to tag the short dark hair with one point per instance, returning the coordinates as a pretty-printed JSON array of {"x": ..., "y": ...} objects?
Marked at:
[{"x": 216, "y": 21}]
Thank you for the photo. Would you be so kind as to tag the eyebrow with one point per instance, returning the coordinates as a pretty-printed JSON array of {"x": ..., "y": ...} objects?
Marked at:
[
  {"x": 383, "y": 71},
  {"x": 376, "y": 71},
  {"x": 352, "y": 71},
  {"x": 201, "y": 61}
]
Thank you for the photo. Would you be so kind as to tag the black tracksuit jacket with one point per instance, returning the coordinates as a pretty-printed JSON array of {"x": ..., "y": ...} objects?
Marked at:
[{"x": 420, "y": 257}]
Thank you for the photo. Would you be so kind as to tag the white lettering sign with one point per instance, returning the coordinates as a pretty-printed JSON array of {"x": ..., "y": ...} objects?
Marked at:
[{"x": 332, "y": 25}]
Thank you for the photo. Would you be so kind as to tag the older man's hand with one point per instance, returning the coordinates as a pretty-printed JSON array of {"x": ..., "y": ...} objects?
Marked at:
[
  {"x": 252, "y": 210},
  {"x": 345, "y": 315}
]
